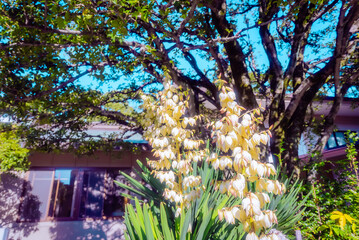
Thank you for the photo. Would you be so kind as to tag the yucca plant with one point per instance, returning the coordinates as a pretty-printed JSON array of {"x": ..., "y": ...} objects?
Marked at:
[
  {"x": 219, "y": 193},
  {"x": 289, "y": 206},
  {"x": 149, "y": 187},
  {"x": 156, "y": 218},
  {"x": 201, "y": 220},
  {"x": 142, "y": 222}
]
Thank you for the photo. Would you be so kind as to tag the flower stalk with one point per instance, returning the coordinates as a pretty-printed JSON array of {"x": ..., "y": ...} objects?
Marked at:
[{"x": 171, "y": 132}]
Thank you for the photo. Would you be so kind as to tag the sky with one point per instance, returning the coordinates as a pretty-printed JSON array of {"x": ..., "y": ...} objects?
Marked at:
[{"x": 252, "y": 36}]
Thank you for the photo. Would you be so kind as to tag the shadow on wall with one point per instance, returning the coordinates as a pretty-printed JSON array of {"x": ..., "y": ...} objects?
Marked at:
[
  {"x": 96, "y": 201},
  {"x": 90, "y": 229},
  {"x": 13, "y": 214},
  {"x": 23, "y": 209}
]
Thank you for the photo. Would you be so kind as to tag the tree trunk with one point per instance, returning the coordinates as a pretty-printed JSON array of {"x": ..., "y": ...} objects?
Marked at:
[{"x": 285, "y": 142}]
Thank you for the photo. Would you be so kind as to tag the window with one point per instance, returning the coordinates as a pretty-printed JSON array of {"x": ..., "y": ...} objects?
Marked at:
[
  {"x": 336, "y": 140},
  {"x": 92, "y": 196},
  {"x": 74, "y": 194},
  {"x": 62, "y": 194}
]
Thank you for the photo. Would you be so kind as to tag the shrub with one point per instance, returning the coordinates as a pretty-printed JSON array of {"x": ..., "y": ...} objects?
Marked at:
[{"x": 332, "y": 211}]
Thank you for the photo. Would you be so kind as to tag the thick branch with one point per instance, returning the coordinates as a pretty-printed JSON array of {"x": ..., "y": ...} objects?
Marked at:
[
  {"x": 267, "y": 38},
  {"x": 301, "y": 32},
  {"x": 116, "y": 116},
  {"x": 308, "y": 89},
  {"x": 235, "y": 55}
]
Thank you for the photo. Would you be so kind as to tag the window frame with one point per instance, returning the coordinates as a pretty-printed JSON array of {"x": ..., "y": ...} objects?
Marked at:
[
  {"x": 336, "y": 140},
  {"x": 77, "y": 192}
]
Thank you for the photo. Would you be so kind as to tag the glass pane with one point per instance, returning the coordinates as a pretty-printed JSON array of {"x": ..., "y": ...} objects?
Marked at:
[
  {"x": 63, "y": 193},
  {"x": 114, "y": 202},
  {"x": 331, "y": 142},
  {"x": 92, "y": 194},
  {"x": 35, "y": 204},
  {"x": 340, "y": 138}
]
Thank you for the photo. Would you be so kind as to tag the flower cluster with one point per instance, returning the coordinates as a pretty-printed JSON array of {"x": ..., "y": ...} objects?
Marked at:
[
  {"x": 171, "y": 132},
  {"x": 238, "y": 138}
]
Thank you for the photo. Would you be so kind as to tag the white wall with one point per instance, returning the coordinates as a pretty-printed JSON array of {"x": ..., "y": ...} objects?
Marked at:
[{"x": 68, "y": 230}]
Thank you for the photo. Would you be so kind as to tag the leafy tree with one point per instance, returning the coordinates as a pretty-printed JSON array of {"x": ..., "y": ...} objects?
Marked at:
[
  {"x": 12, "y": 155},
  {"x": 285, "y": 53}
]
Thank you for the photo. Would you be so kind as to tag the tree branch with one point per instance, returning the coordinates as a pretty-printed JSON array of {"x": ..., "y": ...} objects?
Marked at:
[
  {"x": 188, "y": 17},
  {"x": 267, "y": 39},
  {"x": 52, "y": 90},
  {"x": 235, "y": 54},
  {"x": 309, "y": 88}
]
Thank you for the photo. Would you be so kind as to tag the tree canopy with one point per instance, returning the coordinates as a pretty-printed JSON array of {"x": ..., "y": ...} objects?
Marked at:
[
  {"x": 285, "y": 53},
  {"x": 13, "y": 157}
]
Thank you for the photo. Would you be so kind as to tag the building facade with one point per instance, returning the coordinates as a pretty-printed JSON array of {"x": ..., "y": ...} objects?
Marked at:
[{"x": 65, "y": 196}]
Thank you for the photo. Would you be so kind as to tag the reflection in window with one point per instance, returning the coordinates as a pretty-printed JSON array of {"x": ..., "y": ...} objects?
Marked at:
[
  {"x": 336, "y": 140},
  {"x": 331, "y": 142},
  {"x": 73, "y": 193},
  {"x": 62, "y": 193},
  {"x": 340, "y": 137},
  {"x": 114, "y": 202},
  {"x": 37, "y": 195},
  {"x": 92, "y": 194}
]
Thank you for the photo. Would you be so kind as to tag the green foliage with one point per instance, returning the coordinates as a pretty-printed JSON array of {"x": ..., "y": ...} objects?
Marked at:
[
  {"x": 156, "y": 218},
  {"x": 12, "y": 155},
  {"x": 201, "y": 219},
  {"x": 196, "y": 223},
  {"x": 333, "y": 210},
  {"x": 338, "y": 227},
  {"x": 152, "y": 189},
  {"x": 289, "y": 206}
]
